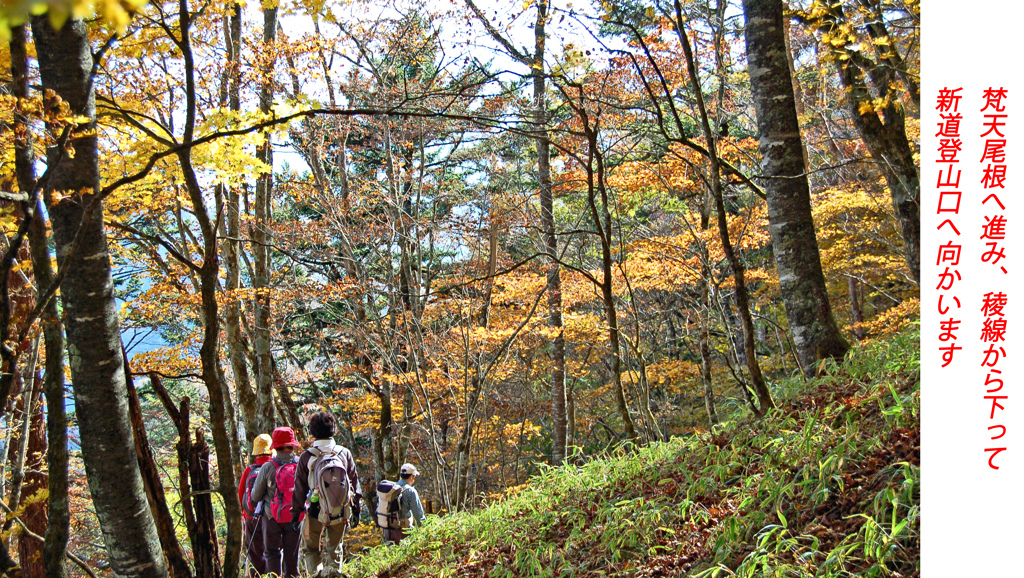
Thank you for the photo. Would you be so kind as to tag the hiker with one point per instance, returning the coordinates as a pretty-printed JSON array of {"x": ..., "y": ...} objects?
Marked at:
[
  {"x": 410, "y": 510},
  {"x": 327, "y": 477},
  {"x": 261, "y": 453},
  {"x": 274, "y": 486}
]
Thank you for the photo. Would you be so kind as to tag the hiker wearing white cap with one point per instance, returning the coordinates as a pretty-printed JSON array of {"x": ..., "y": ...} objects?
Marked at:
[{"x": 410, "y": 508}]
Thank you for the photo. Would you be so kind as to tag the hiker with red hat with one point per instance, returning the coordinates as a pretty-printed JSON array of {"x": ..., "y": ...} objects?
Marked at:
[{"x": 274, "y": 486}]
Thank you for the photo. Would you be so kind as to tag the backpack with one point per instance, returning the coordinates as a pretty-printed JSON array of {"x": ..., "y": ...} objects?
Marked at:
[
  {"x": 284, "y": 485},
  {"x": 247, "y": 504},
  {"x": 389, "y": 506},
  {"x": 328, "y": 479}
]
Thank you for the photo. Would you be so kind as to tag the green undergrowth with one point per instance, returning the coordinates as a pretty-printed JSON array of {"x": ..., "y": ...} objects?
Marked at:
[{"x": 827, "y": 485}]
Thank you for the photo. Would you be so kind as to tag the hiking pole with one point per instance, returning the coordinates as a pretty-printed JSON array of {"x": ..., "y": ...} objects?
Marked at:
[{"x": 258, "y": 515}]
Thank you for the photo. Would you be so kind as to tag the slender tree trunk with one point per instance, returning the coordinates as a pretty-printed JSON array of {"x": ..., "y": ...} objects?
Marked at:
[
  {"x": 383, "y": 443},
  {"x": 547, "y": 217},
  {"x": 17, "y": 447},
  {"x": 603, "y": 223},
  {"x": 206, "y": 559},
  {"x": 465, "y": 446},
  {"x": 58, "y": 516},
  {"x": 742, "y": 299},
  {"x": 31, "y": 553},
  {"x": 885, "y": 140},
  {"x": 704, "y": 341},
  {"x": 232, "y": 247},
  {"x": 261, "y": 242},
  {"x": 554, "y": 281},
  {"x": 90, "y": 313},
  {"x": 703, "y": 332},
  {"x": 177, "y": 565},
  {"x": 855, "y": 309},
  {"x": 57, "y": 519},
  {"x": 801, "y": 279},
  {"x": 222, "y": 419}
]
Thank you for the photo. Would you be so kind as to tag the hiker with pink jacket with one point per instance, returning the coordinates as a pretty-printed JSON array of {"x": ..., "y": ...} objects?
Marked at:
[
  {"x": 275, "y": 486},
  {"x": 326, "y": 477}
]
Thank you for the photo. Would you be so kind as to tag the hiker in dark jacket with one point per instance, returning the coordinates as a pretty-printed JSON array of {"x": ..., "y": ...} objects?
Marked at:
[
  {"x": 253, "y": 538},
  {"x": 322, "y": 429},
  {"x": 280, "y": 539}
]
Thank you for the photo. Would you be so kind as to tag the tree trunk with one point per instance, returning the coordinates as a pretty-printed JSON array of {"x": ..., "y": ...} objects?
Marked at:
[
  {"x": 261, "y": 243},
  {"x": 742, "y": 299},
  {"x": 703, "y": 332},
  {"x": 90, "y": 313},
  {"x": 703, "y": 338},
  {"x": 554, "y": 281},
  {"x": 855, "y": 309},
  {"x": 801, "y": 279},
  {"x": 603, "y": 223},
  {"x": 177, "y": 565},
  {"x": 798, "y": 93},
  {"x": 886, "y": 141},
  {"x": 222, "y": 418},
  {"x": 31, "y": 554},
  {"x": 18, "y": 441},
  {"x": 58, "y": 518},
  {"x": 206, "y": 559},
  {"x": 547, "y": 217},
  {"x": 193, "y": 484},
  {"x": 232, "y": 248},
  {"x": 383, "y": 443}
]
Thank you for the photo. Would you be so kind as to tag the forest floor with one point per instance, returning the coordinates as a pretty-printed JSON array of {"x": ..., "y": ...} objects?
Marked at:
[{"x": 828, "y": 485}]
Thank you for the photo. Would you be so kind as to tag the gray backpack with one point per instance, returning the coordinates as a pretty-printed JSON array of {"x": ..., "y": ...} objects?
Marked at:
[
  {"x": 328, "y": 478},
  {"x": 389, "y": 495}
]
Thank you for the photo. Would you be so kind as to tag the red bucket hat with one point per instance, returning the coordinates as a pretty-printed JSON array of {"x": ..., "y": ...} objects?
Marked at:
[{"x": 284, "y": 436}]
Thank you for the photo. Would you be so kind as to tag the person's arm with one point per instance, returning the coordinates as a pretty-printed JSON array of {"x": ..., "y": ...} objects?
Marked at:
[
  {"x": 416, "y": 507},
  {"x": 353, "y": 476},
  {"x": 241, "y": 485},
  {"x": 259, "y": 489},
  {"x": 301, "y": 484}
]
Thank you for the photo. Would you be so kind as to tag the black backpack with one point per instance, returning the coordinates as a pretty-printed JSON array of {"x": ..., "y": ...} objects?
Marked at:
[{"x": 247, "y": 505}]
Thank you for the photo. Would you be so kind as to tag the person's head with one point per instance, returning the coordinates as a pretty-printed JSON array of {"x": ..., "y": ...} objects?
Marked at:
[
  {"x": 284, "y": 440},
  {"x": 321, "y": 425},
  {"x": 261, "y": 446},
  {"x": 409, "y": 473}
]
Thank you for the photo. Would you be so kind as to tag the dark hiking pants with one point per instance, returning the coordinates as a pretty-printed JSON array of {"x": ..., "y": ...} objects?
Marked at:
[
  {"x": 282, "y": 548},
  {"x": 393, "y": 535}
]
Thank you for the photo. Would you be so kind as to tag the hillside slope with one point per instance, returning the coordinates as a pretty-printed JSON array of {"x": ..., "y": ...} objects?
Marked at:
[{"x": 826, "y": 486}]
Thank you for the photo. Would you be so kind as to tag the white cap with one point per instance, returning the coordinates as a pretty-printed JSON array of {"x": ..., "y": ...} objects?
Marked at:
[{"x": 409, "y": 469}]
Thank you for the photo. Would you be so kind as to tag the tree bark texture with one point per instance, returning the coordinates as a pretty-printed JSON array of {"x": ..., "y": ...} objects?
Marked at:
[
  {"x": 236, "y": 343},
  {"x": 57, "y": 519},
  {"x": 193, "y": 484},
  {"x": 547, "y": 217},
  {"x": 797, "y": 260},
  {"x": 31, "y": 555},
  {"x": 261, "y": 246},
  {"x": 90, "y": 313},
  {"x": 177, "y": 565}
]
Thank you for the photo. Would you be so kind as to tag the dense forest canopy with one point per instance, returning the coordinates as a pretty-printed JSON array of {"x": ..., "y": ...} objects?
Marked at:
[{"x": 486, "y": 236}]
